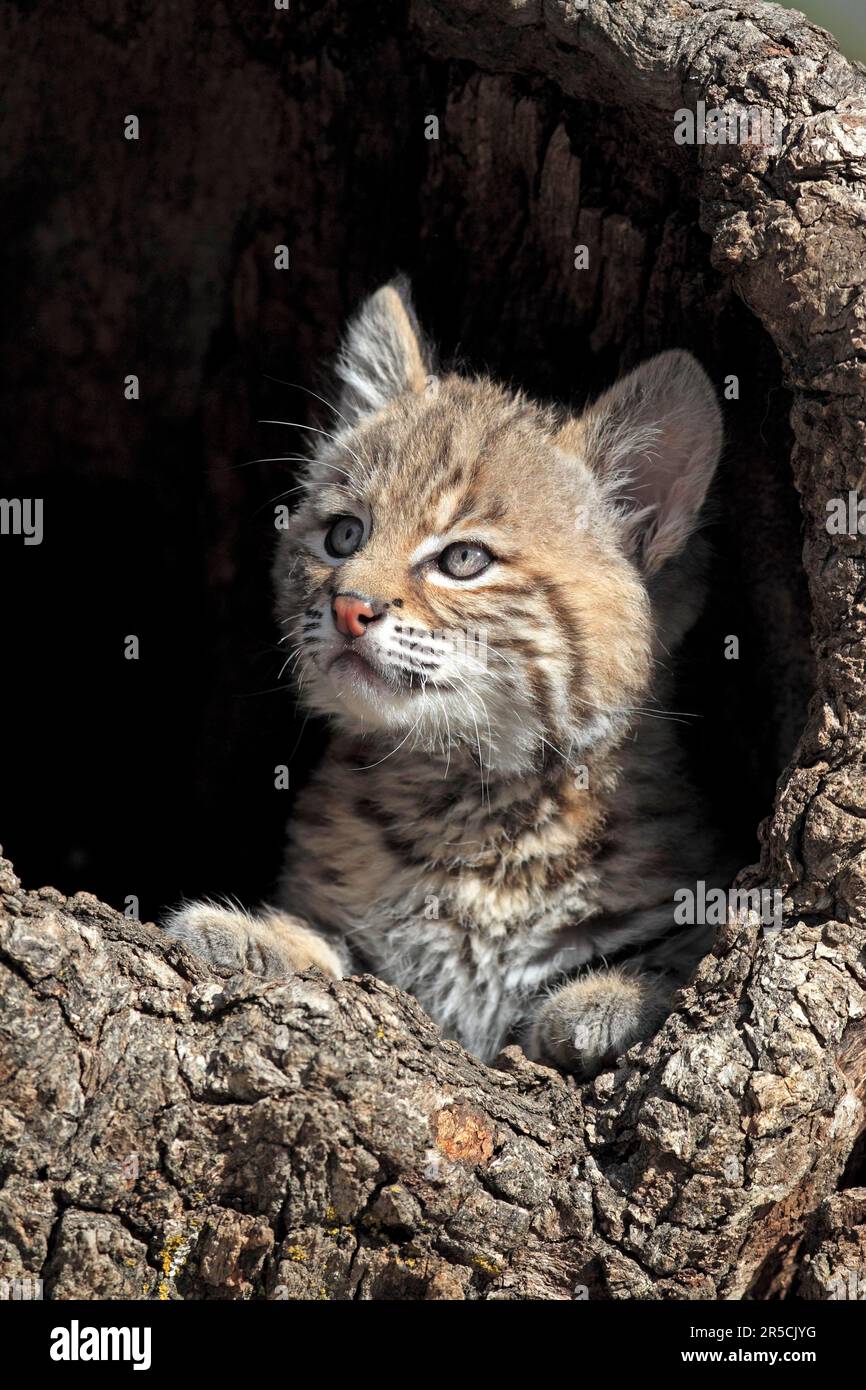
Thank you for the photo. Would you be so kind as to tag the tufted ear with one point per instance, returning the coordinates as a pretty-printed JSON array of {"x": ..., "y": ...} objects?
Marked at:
[
  {"x": 653, "y": 440},
  {"x": 383, "y": 353}
]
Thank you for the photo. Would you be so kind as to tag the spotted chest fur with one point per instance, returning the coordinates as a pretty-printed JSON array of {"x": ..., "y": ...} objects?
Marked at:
[
  {"x": 457, "y": 890},
  {"x": 479, "y": 898}
]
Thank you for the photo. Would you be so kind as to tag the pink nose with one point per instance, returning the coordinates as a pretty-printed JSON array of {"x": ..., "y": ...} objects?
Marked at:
[{"x": 352, "y": 615}]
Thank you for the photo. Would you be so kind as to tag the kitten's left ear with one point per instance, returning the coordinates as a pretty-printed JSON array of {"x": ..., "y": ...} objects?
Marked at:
[
  {"x": 654, "y": 440},
  {"x": 383, "y": 353}
]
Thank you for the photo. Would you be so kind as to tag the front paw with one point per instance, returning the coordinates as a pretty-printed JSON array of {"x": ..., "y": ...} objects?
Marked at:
[
  {"x": 586, "y": 1024},
  {"x": 273, "y": 945}
]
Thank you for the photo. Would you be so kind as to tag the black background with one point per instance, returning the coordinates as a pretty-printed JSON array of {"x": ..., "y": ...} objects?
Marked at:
[{"x": 155, "y": 777}]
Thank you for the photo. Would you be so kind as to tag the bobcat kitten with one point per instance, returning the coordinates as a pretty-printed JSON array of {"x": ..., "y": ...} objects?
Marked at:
[{"x": 482, "y": 594}]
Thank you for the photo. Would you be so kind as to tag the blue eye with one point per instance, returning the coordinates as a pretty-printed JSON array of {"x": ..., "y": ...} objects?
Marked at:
[
  {"x": 344, "y": 537},
  {"x": 463, "y": 560}
]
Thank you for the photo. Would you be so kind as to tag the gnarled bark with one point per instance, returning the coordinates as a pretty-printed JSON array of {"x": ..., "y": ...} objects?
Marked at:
[{"x": 170, "y": 1134}]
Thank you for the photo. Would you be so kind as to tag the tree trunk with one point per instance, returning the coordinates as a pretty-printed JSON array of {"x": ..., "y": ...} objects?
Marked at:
[{"x": 171, "y": 1134}]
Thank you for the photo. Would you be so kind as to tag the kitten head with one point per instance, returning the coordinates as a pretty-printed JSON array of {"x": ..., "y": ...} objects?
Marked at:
[{"x": 469, "y": 568}]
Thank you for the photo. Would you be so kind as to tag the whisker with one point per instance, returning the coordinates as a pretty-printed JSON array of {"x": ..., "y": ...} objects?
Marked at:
[
  {"x": 314, "y": 429},
  {"x": 296, "y": 385},
  {"x": 676, "y": 716},
  {"x": 366, "y": 767}
]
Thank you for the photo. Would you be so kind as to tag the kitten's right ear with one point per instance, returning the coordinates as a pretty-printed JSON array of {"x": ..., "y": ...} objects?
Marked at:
[{"x": 383, "y": 354}]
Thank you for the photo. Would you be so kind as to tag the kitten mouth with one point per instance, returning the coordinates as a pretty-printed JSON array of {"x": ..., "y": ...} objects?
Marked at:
[
  {"x": 352, "y": 662},
  {"x": 397, "y": 680}
]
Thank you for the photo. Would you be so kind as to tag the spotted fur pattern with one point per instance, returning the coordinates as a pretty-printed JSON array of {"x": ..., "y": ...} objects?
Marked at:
[{"x": 503, "y": 816}]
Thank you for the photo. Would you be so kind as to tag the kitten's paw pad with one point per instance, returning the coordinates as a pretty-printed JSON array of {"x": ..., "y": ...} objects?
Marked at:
[
  {"x": 273, "y": 946},
  {"x": 587, "y": 1024}
]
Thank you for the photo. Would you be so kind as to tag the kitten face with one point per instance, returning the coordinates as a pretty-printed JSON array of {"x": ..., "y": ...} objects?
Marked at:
[{"x": 458, "y": 573}]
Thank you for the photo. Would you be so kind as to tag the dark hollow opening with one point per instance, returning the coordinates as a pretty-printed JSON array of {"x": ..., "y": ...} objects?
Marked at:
[{"x": 155, "y": 777}]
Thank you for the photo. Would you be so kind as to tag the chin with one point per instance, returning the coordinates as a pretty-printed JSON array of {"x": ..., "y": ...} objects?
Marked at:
[
  {"x": 360, "y": 701},
  {"x": 362, "y": 705}
]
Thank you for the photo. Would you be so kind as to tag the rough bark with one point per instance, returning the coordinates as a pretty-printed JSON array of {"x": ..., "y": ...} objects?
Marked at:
[{"x": 170, "y": 1134}]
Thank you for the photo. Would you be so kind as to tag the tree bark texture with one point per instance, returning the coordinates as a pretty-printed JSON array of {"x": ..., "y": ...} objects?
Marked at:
[{"x": 170, "y": 1134}]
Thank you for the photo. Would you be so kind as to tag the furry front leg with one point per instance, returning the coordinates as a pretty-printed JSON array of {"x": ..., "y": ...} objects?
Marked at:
[
  {"x": 272, "y": 944},
  {"x": 589, "y": 1022}
]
